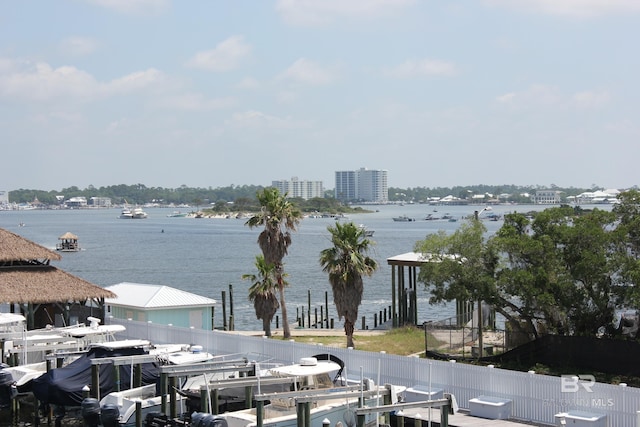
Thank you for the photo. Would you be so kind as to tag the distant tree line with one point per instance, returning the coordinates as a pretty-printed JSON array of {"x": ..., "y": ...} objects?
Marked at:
[
  {"x": 506, "y": 193},
  {"x": 246, "y": 194}
]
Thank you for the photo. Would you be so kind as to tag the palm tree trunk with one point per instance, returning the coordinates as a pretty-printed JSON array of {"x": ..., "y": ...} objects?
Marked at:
[
  {"x": 348, "y": 330},
  {"x": 286, "y": 331},
  {"x": 266, "y": 326}
]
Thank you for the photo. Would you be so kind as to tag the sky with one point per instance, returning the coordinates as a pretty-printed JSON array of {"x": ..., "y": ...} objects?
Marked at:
[{"x": 202, "y": 93}]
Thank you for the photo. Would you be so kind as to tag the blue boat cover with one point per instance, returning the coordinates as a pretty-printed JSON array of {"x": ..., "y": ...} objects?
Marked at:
[{"x": 63, "y": 386}]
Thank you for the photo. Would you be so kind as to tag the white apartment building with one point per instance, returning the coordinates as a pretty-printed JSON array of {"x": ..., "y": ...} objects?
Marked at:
[
  {"x": 299, "y": 189},
  {"x": 362, "y": 185},
  {"x": 548, "y": 197}
]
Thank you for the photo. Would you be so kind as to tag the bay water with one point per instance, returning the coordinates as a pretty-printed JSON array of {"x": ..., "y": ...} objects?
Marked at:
[{"x": 205, "y": 256}]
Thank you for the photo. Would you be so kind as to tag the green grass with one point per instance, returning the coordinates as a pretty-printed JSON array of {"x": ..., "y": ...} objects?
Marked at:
[{"x": 402, "y": 341}]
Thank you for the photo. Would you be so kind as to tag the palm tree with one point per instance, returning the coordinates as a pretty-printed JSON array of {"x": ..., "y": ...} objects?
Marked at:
[
  {"x": 262, "y": 293},
  {"x": 279, "y": 218},
  {"x": 347, "y": 262}
]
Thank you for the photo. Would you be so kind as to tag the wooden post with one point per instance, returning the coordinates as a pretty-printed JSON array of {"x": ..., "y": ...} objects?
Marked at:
[
  {"x": 224, "y": 311},
  {"x": 309, "y": 307},
  {"x": 326, "y": 307},
  {"x": 231, "y": 326}
]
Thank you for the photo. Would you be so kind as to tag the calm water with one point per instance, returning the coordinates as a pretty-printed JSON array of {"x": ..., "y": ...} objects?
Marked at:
[{"x": 205, "y": 256}]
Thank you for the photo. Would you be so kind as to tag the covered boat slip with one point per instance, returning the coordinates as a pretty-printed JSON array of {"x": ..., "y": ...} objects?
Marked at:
[{"x": 404, "y": 299}]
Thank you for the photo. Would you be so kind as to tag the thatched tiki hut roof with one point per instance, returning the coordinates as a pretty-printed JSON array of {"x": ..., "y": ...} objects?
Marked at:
[{"x": 27, "y": 279}]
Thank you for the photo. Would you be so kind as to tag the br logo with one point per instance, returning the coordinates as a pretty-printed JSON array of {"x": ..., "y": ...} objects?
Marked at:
[{"x": 573, "y": 383}]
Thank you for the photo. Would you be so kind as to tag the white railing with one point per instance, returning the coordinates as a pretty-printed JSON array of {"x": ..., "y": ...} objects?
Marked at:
[{"x": 536, "y": 398}]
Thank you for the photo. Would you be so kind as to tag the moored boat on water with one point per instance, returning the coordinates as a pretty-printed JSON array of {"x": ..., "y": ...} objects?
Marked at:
[{"x": 403, "y": 218}]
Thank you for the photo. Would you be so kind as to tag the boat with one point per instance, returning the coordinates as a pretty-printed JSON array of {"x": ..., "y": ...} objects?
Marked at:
[
  {"x": 68, "y": 243},
  {"x": 177, "y": 214},
  {"x": 367, "y": 232},
  {"x": 138, "y": 213},
  {"x": 147, "y": 395},
  {"x": 403, "y": 218},
  {"x": 126, "y": 213},
  {"x": 313, "y": 382},
  {"x": 64, "y": 386}
]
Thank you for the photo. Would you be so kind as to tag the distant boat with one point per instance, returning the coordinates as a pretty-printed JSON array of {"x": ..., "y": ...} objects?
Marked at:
[
  {"x": 68, "y": 243},
  {"x": 367, "y": 232},
  {"x": 403, "y": 218},
  {"x": 177, "y": 214},
  {"x": 136, "y": 213}
]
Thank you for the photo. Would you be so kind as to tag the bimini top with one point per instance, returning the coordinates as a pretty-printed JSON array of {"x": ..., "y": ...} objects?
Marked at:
[{"x": 306, "y": 366}]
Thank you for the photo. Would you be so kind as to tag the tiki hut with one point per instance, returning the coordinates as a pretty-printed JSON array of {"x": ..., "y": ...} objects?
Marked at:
[
  {"x": 68, "y": 243},
  {"x": 39, "y": 290}
]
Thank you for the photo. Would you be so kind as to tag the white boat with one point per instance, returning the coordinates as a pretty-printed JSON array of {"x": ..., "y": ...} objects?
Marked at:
[
  {"x": 177, "y": 214},
  {"x": 367, "y": 232},
  {"x": 403, "y": 218},
  {"x": 126, "y": 213},
  {"x": 136, "y": 213},
  {"x": 313, "y": 382},
  {"x": 147, "y": 395}
]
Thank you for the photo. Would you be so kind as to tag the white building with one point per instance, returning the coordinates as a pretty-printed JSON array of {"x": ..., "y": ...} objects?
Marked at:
[
  {"x": 4, "y": 197},
  {"x": 596, "y": 197},
  {"x": 547, "y": 197},
  {"x": 362, "y": 185},
  {"x": 299, "y": 189}
]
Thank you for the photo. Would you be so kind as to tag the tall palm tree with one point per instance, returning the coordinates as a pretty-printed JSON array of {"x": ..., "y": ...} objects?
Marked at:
[
  {"x": 279, "y": 218},
  {"x": 346, "y": 263},
  {"x": 263, "y": 293}
]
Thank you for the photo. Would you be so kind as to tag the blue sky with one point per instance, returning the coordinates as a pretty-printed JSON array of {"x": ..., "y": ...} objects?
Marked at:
[{"x": 215, "y": 93}]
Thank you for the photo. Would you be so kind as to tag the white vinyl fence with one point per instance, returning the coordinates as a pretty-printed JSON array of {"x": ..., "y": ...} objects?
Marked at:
[{"x": 536, "y": 398}]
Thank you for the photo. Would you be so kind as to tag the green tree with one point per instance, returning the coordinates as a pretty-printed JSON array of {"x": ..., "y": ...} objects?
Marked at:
[
  {"x": 460, "y": 266},
  {"x": 628, "y": 251},
  {"x": 279, "y": 217},
  {"x": 559, "y": 269},
  {"x": 263, "y": 292},
  {"x": 346, "y": 263}
]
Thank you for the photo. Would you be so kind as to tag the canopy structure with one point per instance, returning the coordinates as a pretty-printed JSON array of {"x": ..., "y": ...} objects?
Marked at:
[
  {"x": 404, "y": 299},
  {"x": 28, "y": 280}
]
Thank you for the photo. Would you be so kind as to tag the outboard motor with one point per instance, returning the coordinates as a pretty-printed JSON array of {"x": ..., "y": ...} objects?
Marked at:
[
  {"x": 155, "y": 419},
  {"x": 110, "y": 415},
  {"x": 90, "y": 409},
  {"x": 201, "y": 419},
  {"x": 6, "y": 383}
]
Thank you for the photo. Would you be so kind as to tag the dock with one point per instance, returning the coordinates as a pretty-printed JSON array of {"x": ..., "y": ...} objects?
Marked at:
[{"x": 461, "y": 419}]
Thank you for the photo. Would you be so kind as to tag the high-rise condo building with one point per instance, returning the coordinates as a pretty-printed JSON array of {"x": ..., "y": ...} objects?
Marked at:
[
  {"x": 303, "y": 189},
  {"x": 362, "y": 185}
]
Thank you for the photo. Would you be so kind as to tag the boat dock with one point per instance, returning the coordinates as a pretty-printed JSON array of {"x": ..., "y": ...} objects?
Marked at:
[{"x": 459, "y": 419}]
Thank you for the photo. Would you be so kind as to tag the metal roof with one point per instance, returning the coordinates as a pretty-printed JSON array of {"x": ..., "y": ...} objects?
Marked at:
[{"x": 141, "y": 295}]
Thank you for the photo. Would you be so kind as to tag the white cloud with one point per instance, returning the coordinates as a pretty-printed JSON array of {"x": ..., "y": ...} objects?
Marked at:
[
  {"x": 135, "y": 81},
  {"x": 248, "y": 83},
  {"x": 421, "y": 68},
  {"x": 591, "y": 99},
  {"x": 308, "y": 72},
  {"x": 134, "y": 7},
  {"x": 197, "y": 102},
  {"x": 317, "y": 13},
  {"x": 257, "y": 119},
  {"x": 40, "y": 81},
  {"x": 571, "y": 8},
  {"x": 78, "y": 46},
  {"x": 226, "y": 56},
  {"x": 548, "y": 96}
]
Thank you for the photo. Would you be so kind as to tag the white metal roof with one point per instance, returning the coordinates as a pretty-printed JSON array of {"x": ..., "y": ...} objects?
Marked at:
[{"x": 154, "y": 296}]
